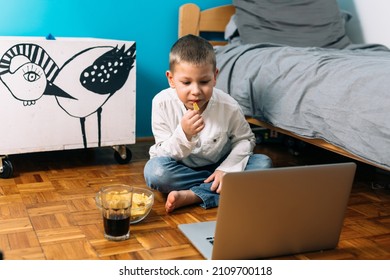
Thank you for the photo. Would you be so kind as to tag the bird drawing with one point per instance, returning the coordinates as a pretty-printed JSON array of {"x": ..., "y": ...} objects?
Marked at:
[
  {"x": 83, "y": 84},
  {"x": 91, "y": 77}
]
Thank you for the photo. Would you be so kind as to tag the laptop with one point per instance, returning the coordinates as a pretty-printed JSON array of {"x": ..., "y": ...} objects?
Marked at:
[{"x": 276, "y": 212}]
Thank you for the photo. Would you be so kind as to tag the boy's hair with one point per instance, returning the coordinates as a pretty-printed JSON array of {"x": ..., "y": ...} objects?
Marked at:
[{"x": 192, "y": 49}]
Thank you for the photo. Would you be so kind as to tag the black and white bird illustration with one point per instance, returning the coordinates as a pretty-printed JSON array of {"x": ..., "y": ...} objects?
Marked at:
[
  {"x": 83, "y": 84},
  {"x": 88, "y": 79}
]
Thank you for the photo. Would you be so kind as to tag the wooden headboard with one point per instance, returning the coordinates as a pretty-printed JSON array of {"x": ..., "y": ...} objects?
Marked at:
[{"x": 194, "y": 21}]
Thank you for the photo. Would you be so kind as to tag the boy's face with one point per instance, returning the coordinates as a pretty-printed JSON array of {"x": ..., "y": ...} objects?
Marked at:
[{"x": 193, "y": 83}]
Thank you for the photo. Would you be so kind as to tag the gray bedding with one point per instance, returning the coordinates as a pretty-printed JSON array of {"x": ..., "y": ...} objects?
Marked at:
[{"x": 340, "y": 96}]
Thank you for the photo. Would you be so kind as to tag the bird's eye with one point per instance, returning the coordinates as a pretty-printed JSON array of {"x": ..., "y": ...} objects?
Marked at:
[{"x": 31, "y": 76}]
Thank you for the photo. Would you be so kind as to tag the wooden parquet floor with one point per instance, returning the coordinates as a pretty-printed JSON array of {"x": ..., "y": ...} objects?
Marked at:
[{"x": 47, "y": 209}]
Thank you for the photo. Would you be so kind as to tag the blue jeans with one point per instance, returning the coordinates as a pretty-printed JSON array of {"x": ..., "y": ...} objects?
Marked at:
[{"x": 166, "y": 174}]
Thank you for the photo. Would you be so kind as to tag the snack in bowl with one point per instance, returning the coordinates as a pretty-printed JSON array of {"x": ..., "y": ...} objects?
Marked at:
[
  {"x": 141, "y": 205},
  {"x": 117, "y": 199},
  {"x": 142, "y": 202}
]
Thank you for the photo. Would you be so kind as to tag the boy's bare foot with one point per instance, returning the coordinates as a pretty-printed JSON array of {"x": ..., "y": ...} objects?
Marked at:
[{"x": 177, "y": 199}]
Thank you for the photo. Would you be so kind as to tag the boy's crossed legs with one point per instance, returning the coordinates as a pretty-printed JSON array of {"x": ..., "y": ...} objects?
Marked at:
[{"x": 185, "y": 185}]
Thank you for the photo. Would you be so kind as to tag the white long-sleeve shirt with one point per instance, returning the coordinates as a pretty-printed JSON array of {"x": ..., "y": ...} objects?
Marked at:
[{"x": 226, "y": 132}]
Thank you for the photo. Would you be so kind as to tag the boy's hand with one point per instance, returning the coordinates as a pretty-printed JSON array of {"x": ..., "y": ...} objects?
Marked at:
[
  {"x": 192, "y": 123},
  {"x": 216, "y": 178}
]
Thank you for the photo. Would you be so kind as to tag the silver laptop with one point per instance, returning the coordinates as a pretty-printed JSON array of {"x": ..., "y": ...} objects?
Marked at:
[{"x": 276, "y": 212}]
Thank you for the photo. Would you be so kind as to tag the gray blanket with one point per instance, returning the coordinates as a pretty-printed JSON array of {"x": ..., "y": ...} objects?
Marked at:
[{"x": 341, "y": 96}]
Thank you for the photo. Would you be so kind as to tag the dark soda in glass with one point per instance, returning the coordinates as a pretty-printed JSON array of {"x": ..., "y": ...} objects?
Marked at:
[{"x": 116, "y": 225}]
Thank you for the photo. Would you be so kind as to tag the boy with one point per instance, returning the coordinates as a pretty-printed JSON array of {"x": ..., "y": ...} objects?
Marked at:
[{"x": 200, "y": 132}]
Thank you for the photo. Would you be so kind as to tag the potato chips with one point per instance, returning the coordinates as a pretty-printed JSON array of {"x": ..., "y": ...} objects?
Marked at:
[
  {"x": 196, "y": 107},
  {"x": 117, "y": 199},
  {"x": 140, "y": 205}
]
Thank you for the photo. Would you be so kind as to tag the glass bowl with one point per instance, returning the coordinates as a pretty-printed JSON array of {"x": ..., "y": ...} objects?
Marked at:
[
  {"x": 142, "y": 203},
  {"x": 143, "y": 200}
]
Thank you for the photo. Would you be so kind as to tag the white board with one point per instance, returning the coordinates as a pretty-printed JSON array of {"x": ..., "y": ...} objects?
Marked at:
[{"x": 47, "y": 87}]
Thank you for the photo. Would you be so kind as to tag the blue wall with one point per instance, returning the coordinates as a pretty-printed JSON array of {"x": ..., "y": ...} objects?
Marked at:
[{"x": 152, "y": 24}]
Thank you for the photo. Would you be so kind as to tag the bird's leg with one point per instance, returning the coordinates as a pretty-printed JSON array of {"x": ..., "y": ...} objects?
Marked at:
[
  {"x": 82, "y": 123},
  {"x": 99, "y": 117}
]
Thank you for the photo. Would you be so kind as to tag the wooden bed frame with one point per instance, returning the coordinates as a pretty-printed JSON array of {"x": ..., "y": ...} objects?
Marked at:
[{"x": 194, "y": 21}]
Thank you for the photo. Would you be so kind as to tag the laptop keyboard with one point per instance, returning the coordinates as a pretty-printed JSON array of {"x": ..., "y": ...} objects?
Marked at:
[{"x": 210, "y": 239}]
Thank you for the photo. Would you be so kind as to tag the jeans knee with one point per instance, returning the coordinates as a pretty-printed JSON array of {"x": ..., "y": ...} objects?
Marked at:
[
  {"x": 267, "y": 161},
  {"x": 259, "y": 161},
  {"x": 156, "y": 172}
]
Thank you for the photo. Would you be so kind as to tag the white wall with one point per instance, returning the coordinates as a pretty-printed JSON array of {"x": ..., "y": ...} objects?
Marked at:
[{"x": 370, "y": 22}]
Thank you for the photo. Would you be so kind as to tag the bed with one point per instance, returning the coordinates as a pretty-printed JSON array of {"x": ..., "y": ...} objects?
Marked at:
[{"x": 336, "y": 96}]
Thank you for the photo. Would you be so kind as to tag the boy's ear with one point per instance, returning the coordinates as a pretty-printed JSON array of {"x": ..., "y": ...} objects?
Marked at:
[
  {"x": 216, "y": 75},
  {"x": 170, "y": 79}
]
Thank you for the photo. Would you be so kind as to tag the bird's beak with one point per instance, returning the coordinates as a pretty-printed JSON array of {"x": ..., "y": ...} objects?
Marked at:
[{"x": 52, "y": 89}]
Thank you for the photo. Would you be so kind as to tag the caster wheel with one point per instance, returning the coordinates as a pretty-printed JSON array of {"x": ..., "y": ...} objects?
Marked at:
[
  {"x": 8, "y": 169},
  {"x": 123, "y": 158}
]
